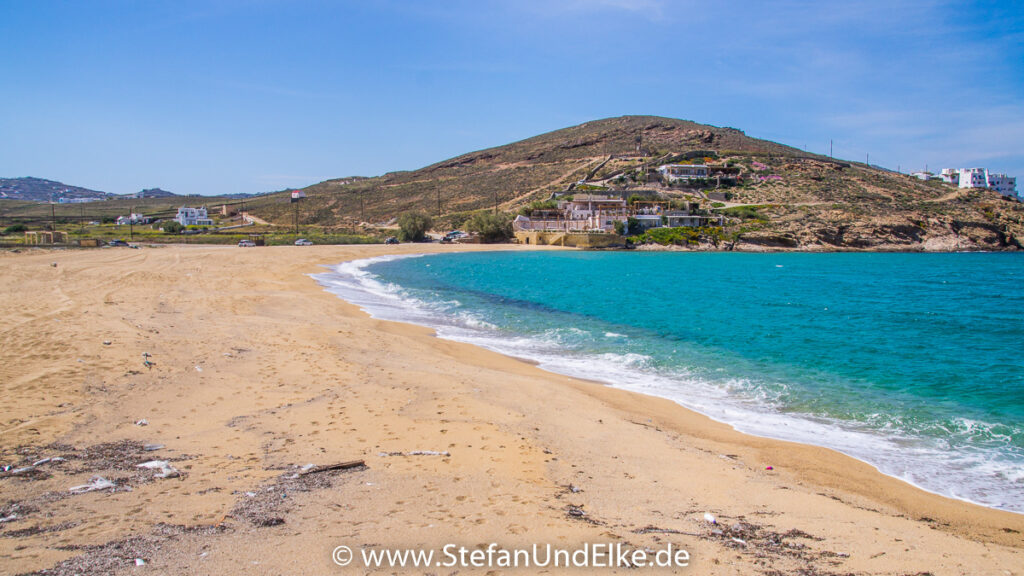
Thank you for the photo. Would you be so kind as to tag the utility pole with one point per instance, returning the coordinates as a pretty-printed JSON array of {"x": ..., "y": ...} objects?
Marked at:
[
  {"x": 53, "y": 215},
  {"x": 830, "y": 149},
  {"x": 867, "y": 160},
  {"x": 81, "y": 219},
  {"x": 296, "y": 217}
]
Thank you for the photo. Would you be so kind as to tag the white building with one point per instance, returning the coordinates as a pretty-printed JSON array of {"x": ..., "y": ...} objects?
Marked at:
[
  {"x": 193, "y": 217},
  {"x": 974, "y": 178},
  {"x": 673, "y": 172},
  {"x": 980, "y": 178},
  {"x": 923, "y": 175},
  {"x": 1005, "y": 185},
  {"x": 132, "y": 218}
]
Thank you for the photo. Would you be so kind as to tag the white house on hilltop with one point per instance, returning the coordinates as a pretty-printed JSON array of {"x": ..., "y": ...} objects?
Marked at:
[
  {"x": 980, "y": 178},
  {"x": 973, "y": 178},
  {"x": 1005, "y": 185},
  {"x": 193, "y": 217}
]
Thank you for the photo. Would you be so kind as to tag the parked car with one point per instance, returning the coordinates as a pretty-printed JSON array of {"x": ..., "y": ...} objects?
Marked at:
[
  {"x": 117, "y": 243},
  {"x": 303, "y": 242},
  {"x": 391, "y": 240},
  {"x": 246, "y": 244},
  {"x": 454, "y": 236}
]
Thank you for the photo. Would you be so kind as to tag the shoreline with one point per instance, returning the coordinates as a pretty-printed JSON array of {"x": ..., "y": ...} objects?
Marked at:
[
  {"x": 319, "y": 368},
  {"x": 372, "y": 300}
]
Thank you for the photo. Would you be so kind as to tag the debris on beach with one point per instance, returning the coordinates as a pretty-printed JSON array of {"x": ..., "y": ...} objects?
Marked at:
[
  {"x": 30, "y": 469},
  {"x": 576, "y": 512},
  {"x": 415, "y": 453},
  {"x": 95, "y": 483},
  {"x": 112, "y": 557},
  {"x": 709, "y": 518},
  {"x": 164, "y": 467},
  {"x": 311, "y": 469},
  {"x": 269, "y": 505},
  {"x": 142, "y": 422}
]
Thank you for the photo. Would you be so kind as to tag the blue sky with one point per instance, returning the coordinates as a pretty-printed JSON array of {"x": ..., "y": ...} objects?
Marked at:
[{"x": 226, "y": 96}]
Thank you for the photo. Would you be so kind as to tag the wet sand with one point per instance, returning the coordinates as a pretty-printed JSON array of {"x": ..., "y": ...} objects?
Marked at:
[{"x": 256, "y": 371}]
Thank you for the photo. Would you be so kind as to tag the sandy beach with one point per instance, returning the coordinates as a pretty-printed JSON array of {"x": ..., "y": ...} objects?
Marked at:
[{"x": 254, "y": 372}]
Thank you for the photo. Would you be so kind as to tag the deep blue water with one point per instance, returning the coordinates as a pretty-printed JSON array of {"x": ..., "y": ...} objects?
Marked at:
[{"x": 911, "y": 362}]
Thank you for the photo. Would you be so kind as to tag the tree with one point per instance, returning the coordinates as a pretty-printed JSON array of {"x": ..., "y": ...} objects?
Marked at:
[
  {"x": 633, "y": 226},
  {"x": 172, "y": 227},
  {"x": 413, "y": 226},
  {"x": 15, "y": 229},
  {"x": 490, "y": 226},
  {"x": 620, "y": 227}
]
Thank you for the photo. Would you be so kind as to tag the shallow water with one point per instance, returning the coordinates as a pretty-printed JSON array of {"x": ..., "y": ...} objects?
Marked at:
[{"x": 911, "y": 362}]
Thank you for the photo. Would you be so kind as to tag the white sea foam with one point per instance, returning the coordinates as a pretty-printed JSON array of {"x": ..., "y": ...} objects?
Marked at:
[{"x": 985, "y": 477}]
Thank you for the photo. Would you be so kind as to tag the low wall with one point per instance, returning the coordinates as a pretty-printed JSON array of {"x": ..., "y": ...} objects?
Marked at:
[{"x": 577, "y": 239}]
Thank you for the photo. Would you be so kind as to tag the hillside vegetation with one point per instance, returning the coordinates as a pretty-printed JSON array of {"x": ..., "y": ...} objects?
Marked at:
[
  {"x": 774, "y": 197},
  {"x": 803, "y": 200}
]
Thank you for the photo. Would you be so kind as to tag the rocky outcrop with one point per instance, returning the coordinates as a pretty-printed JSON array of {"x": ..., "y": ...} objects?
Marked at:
[{"x": 925, "y": 236}]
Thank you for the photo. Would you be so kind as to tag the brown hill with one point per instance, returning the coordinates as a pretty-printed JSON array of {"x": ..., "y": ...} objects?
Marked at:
[
  {"x": 794, "y": 199},
  {"x": 513, "y": 174}
]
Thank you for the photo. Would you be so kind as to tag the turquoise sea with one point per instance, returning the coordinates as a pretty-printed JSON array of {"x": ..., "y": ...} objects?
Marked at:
[{"x": 911, "y": 362}]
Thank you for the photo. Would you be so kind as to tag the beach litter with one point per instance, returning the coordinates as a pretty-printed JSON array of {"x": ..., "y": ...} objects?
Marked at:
[
  {"x": 95, "y": 483},
  {"x": 142, "y": 422},
  {"x": 8, "y": 518},
  {"x": 311, "y": 469},
  {"x": 164, "y": 467},
  {"x": 140, "y": 562},
  {"x": 709, "y": 518},
  {"x": 11, "y": 471},
  {"x": 152, "y": 447},
  {"x": 269, "y": 505},
  {"x": 415, "y": 453}
]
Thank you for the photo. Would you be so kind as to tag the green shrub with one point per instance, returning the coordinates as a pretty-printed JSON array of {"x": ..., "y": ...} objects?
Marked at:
[
  {"x": 413, "y": 226},
  {"x": 633, "y": 226},
  {"x": 538, "y": 205},
  {"x": 745, "y": 213},
  {"x": 172, "y": 227},
  {"x": 15, "y": 229},
  {"x": 490, "y": 227}
]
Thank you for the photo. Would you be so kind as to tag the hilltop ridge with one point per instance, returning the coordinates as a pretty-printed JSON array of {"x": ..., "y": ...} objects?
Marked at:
[{"x": 783, "y": 198}]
